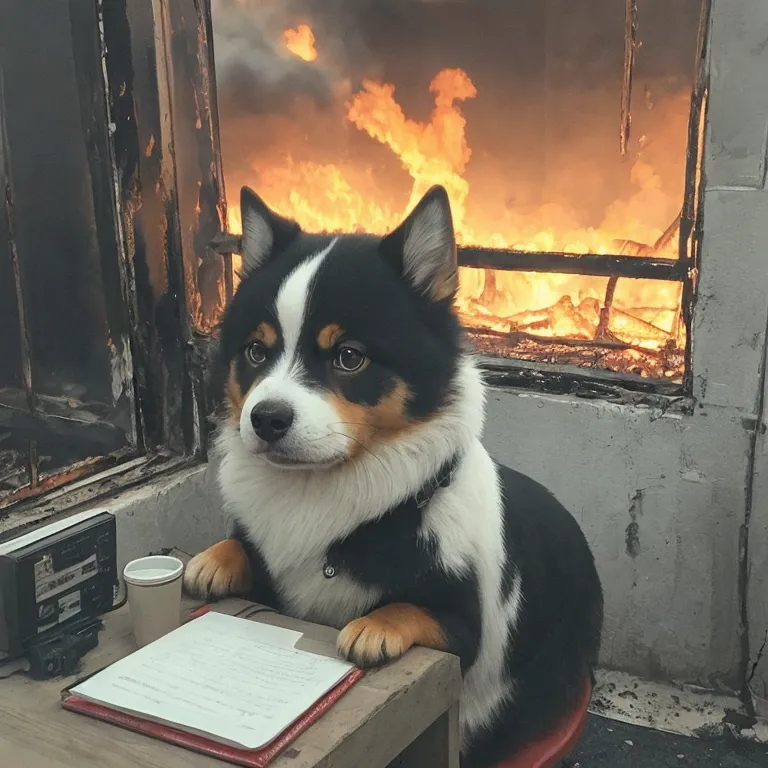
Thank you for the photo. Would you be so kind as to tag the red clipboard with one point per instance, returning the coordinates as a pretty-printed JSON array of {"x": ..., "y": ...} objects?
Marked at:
[{"x": 251, "y": 758}]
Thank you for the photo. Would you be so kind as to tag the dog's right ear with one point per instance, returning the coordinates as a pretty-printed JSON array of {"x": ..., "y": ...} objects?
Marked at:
[{"x": 264, "y": 232}]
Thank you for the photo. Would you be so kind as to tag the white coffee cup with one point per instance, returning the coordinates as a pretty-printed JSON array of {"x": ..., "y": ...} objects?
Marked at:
[{"x": 154, "y": 596}]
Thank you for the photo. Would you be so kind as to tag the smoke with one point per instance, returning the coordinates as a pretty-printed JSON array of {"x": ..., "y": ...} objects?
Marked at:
[
  {"x": 255, "y": 73},
  {"x": 543, "y": 129}
]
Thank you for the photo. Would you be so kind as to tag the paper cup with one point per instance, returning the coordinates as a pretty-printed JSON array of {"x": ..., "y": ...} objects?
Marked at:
[{"x": 154, "y": 596}]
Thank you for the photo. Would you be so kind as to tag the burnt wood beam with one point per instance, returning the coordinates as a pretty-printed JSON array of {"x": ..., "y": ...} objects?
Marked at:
[
  {"x": 162, "y": 89},
  {"x": 693, "y": 199},
  {"x": 630, "y": 45},
  {"x": 103, "y": 436},
  {"x": 594, "y": 264}
]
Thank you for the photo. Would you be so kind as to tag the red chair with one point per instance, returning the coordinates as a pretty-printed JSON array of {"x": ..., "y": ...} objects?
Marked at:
[{"x": 548, "y": 752}]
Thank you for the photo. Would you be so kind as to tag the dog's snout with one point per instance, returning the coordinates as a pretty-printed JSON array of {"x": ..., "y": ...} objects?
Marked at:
[{"x": 271, "y": 419}]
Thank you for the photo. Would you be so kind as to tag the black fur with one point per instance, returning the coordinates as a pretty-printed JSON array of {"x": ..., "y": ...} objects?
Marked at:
[{"x": 554, "y": 650}]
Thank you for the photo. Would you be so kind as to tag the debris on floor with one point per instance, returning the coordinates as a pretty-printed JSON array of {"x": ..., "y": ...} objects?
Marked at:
[
  {"x": 635, "y": 723},
  {"x": 613, "y": 744}
]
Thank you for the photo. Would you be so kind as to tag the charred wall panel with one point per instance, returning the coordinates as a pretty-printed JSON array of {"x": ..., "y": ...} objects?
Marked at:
[
  {"x": 75, "y": 401},
  {"x": 160, "y": 69},
  {"x": 198, "y": 161}
]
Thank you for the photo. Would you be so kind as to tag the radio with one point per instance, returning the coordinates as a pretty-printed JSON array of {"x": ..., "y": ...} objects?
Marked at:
[{"x": 54, "y": 579}]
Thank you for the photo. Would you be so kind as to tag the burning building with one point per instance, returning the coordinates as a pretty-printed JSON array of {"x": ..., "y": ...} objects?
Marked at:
[
  {"x": 557, "y": 128},
  {"x": 606, "y": 163}
]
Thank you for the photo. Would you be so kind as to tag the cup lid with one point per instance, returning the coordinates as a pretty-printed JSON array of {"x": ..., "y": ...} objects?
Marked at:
[{"x": 153, "y": 570}]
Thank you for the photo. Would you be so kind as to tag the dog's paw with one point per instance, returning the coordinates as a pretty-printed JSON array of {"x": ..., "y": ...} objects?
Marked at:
[
  {"x": 220, "y": 570},
  {"x": 387, "y": 633}
]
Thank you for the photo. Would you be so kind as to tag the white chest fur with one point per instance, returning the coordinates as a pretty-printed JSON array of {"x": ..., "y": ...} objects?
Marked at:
[{"x": 310, "y": 595}]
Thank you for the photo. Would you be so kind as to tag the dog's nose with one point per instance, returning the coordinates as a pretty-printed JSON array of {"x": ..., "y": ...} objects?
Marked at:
[{"x": 271, "y": 419}]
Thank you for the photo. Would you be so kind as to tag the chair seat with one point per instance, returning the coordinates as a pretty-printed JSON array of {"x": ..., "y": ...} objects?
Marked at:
[{"x": 549, "y": 751}]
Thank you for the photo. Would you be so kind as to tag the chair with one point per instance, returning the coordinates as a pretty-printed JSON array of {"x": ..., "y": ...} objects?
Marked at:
[{"x": 549, "y": 751}]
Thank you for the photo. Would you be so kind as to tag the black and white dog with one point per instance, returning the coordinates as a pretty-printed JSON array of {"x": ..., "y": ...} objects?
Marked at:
[{"x": 361, "y": 496}]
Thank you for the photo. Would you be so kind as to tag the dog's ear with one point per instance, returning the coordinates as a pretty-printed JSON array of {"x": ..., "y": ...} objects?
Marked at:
[
  {"x": 264, "y": 232},
  {"x": 423, "y": 247}
]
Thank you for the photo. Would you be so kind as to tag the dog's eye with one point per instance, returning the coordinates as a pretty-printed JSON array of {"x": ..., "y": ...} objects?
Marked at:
[
  {"x": 349, "y": 359},
  {"x": 255, "y": 353}
]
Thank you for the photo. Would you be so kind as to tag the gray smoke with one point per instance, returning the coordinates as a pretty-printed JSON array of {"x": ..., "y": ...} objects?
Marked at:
[
  {"x": 254, "y": 71},
  {"x": 256, "y": 74}
]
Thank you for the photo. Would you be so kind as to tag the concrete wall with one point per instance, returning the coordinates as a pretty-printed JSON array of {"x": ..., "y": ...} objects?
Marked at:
[
  {"x": 181, "y": 510},
  {"x": 736, "y": 169},
  {"x": 757, "y": 605}
]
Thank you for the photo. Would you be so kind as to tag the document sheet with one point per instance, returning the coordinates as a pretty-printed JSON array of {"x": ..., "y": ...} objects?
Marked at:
[{"x": 235, "y": 681}]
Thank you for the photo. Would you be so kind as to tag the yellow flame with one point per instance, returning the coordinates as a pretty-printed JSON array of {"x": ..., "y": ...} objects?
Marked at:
[{"x": 301, "y": 42}]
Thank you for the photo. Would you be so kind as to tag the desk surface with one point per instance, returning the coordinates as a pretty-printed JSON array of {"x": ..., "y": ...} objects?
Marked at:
[{"x": 381, "y": 715}]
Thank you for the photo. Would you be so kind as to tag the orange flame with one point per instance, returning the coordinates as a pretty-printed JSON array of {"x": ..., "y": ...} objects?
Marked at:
[
  {"x": 348, "y": 197},
  {"x": 301, "y": 42},
  {"x": 432, "y": 153}
]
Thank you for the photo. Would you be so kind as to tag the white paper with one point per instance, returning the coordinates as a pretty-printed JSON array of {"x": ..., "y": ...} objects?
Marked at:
[{"x": 234, "y": 680}]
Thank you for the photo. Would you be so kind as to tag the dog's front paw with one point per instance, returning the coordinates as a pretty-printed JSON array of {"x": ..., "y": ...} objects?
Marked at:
[
  {"x": 220, "y": 570},
  {"x": 387, "y": 633}
]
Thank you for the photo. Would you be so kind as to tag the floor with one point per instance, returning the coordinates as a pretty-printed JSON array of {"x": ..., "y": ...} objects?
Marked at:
[{"x": 611, "y": 744}]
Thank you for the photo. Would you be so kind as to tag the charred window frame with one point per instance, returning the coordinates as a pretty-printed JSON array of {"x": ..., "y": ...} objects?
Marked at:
[
  {"x": 112, "y": 188},
  {"x": 570, "y": 379}
]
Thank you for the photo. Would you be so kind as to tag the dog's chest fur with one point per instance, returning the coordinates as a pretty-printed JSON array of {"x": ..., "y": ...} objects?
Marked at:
[
  {"x": 308, "y": 594},
  {"x": 294, "y": 519},
  {"x": 297, "y": 524}
]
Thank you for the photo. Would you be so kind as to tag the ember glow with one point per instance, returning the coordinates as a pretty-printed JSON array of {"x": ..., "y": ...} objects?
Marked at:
[
  {"x": 515, "y": 313},
  {"x": 301, "y": 42}
]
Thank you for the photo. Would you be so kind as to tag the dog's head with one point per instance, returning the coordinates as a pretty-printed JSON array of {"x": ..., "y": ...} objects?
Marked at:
[{"x": 333, "y": 346}]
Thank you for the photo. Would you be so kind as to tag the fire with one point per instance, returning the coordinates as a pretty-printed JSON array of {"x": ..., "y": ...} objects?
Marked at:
[
  {"x": 301, "y": 42},
  {"x": 433, "y": 153},
  {"x": 513, "y": 307}
]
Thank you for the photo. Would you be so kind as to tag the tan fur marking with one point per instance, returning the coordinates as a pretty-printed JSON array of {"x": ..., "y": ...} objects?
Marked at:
[
  {"x": 234, "y": 395},
  {"x": 369, "y": 424},
  {"x": 329, "y": 335},
  {"x": 223, "y": 569},
  {"x": 387, "y": 633},
  {"x": 265, "y": 333}
]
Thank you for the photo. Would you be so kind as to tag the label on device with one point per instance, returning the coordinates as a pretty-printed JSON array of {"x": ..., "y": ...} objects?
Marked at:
[
  {"x": 48, "y": 584},
  {"x": 69, "y": 606}
]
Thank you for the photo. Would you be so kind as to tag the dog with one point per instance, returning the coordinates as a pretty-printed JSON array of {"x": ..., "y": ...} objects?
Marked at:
[{"x": 360, "y": 495}]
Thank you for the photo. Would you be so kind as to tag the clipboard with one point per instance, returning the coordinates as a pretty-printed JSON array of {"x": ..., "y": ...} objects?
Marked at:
[{"x": 251, "y": 758}]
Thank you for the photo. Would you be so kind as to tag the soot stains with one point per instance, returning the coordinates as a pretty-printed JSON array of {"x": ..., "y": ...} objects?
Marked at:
[{"x": 632, "y": 531}]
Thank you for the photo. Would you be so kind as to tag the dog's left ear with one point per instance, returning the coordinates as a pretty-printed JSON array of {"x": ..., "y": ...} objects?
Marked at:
[
  {"x": 264, "y": 232},
  {"x": 423, "y": 247}
]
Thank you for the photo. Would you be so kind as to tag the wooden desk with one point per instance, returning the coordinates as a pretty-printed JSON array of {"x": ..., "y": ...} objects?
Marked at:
[{"x": 401, "y": 716}]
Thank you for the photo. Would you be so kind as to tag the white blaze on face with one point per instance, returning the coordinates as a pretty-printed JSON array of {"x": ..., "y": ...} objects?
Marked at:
[{"x": 316, "y": 435}]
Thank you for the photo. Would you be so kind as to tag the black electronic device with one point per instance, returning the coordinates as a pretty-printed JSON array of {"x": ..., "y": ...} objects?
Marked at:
[
  {"x": 54, "y": 581},
  {"x": 57, "y": 653}
]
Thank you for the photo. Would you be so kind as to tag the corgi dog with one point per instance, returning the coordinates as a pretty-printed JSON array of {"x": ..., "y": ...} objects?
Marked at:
[{"x": 360, "y": 495}]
